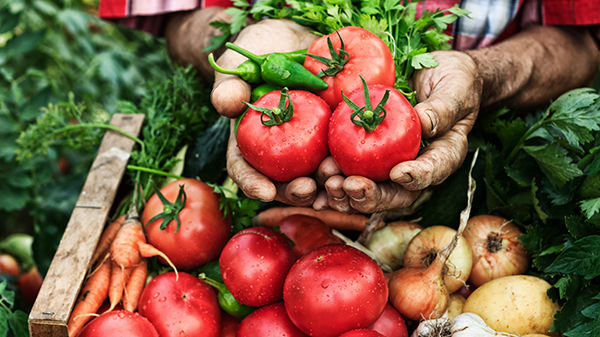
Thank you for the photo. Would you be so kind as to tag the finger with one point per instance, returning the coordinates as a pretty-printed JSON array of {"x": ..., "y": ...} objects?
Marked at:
[
  {"x": 326, "y": 170},
  {"x": 337, "y": 198},
  {"x": 437, "y": 161},
  {"x": 367, "y": 196},
  {"x": 321, "y": 202},
  {"x": 448, "y": 93},
  {"x": 254, "y": 184},
  {"x": 298, "y": 192},
  {"x": 229, "y": 94}
]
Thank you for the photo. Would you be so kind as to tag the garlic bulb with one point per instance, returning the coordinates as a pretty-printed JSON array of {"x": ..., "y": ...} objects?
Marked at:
[{"x": 464, "y": 325}]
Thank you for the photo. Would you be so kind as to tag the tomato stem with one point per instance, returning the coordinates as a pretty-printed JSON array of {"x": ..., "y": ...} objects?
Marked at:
[
  {"x": 368, "y": 118},
  {"x": 337, "y": 61},
  {"x": 279, "y": 114}
]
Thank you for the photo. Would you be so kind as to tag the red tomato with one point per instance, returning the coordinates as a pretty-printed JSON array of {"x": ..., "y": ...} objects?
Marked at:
[
  {"x": 361, "y": 333},
  {"x": 254, "y": 264},
  {"x": 390, "y": 323},
  {"x": 184, "y": 307},
  {"x": 333, "y": 289},
  {"x": 229, "y": 325},
  {"x": 270, "y": 320},
  {"x": 293, "y": 149},
  {"x": 203, "y": 232},
  {"x": 307, "y": 233},
  {"x": 9, "y": 265},
  {"x": 30, "y": 283},
  {"x": 369, "y": 57},
  {"x": 119, "y": 323},
  {"x": 373, "y": 154}
]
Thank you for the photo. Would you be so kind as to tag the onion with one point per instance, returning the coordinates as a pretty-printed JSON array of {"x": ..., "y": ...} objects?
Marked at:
[
  {"x": 390, "y": 242},
  {"x": 496, "y": 248},
  {"x": 426, "y": 245},
  {"x": 420, "y": 292}
]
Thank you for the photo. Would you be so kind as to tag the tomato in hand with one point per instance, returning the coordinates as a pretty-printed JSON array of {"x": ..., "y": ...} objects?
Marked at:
[
  {"x": 119, "y": 323},
  {"x": 284, "y": 134},
  {"x": 270, "y": 320},
  {"x": 202, "y": 231},
  {"x": 369, "y": 139},
  {"x": 365, "y": 54},
  {"x": 254, "y": 264},
  {"x": 307, "y": 233},
  {"x": 181, "y": 307},
  {"x": 333, "y": 289}
]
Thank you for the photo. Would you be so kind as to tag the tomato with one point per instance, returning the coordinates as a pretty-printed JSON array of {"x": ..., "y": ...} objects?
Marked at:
[
  {"x": 119, "y": 323},
  {"x": 183, "y": 307},
  {"x": 373, "y": 154},
  {"x": 369, "y": 56},
  {"x": 9, "y": 265},
  {"x": 203, "y": 232},
  {"x": 254, "y": 264},
  {"x": 333, "y": 289},
  {"x": 270, "y": 320},
  {"x": 390, "y": 323},
  {"x": 229, "y": 325},
  {"x": 30, "y": 283},
  {"x": 294, "y": 148},
  {"x": 307, "y": 233},
  {"x": 361, "y": 333}
]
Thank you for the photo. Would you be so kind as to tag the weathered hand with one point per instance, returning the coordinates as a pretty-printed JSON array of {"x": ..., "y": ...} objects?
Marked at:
[
  {"x": 449, "y": 97},
  {"x": 229, "y": 93}
]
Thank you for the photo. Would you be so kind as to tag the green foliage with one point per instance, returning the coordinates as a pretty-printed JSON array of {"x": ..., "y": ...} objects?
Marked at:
[
  {"x": 14, "y": 321},
  {"x": 49, "y": 48}
]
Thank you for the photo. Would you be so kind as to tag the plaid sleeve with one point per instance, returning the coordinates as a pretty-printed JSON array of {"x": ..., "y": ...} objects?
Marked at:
[{"x": 149, "y": 15}]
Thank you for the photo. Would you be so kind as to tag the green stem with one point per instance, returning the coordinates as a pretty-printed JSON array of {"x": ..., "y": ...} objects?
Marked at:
[
  {"x": 211, "y": 60},
  {"x": 515, "y": 150},
  {"x": 258, "y": 59},
  {"x": 153, "y": 171},
  {"x": 99, "y": 126}
]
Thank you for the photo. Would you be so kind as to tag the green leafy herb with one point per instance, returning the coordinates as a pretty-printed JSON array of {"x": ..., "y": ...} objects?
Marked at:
[
  {"x": 15, "y": 321},
  {"x": 241, "y": 209}
]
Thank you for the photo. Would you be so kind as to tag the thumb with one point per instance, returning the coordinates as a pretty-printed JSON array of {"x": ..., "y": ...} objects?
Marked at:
[{"x": 229, "y": 91}]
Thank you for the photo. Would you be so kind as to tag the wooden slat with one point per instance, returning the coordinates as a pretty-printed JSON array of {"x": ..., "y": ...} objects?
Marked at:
[{"x": 50, "y": 313}]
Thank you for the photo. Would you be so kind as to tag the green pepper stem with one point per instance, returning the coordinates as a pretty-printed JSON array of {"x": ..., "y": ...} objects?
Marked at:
[
  {"x": 211, "y": 60},
  {"x": 258, "y": 59},
  {"x": 216, "y": 284}
]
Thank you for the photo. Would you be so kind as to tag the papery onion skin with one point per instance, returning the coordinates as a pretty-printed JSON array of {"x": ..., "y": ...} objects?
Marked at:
[
  {"x": 496, "y": 249},
  {"x": 389, "y": 243},
  {"x": 429, "y": 242},
  {"x": 419, "y": 293}
]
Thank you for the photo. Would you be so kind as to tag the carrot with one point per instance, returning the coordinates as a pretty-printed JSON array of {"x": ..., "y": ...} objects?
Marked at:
[
  {"x": 90, "y": 298},
  {"x": 135, "y": 285},
  {"x": 334, "y": 219},
  {"x": 118, "y": 279},
  {"x": 109, "y": 234}
]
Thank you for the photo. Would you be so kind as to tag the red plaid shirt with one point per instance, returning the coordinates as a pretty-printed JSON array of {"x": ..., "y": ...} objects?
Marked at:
[{"x": 491, "y": 21}]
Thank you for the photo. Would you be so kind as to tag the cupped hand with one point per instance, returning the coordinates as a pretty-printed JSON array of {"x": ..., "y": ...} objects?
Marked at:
[
  {"x": 449, "y": 97},
  {"x": 229, "y": 93},
  {"x": 267, "y": 36}
]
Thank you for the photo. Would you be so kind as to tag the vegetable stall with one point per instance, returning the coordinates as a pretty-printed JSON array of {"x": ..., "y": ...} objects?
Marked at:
[{"x": 521, "y": 216}]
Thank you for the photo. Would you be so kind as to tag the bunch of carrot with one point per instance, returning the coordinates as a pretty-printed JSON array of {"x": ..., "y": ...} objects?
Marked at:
[{"x": 121, "y": 271}]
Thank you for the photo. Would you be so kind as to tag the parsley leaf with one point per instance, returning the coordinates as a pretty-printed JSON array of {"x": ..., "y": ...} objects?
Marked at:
[
  {"x": 554, "y": 162},
  {"x": 579, "y": 259},
  {"x": 590, "y": 207}
]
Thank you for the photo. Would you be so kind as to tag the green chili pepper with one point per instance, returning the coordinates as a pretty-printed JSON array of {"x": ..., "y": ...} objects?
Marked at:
[
  {"x": 278, "y": 69},
  {"x": 226, "y": 300},
  {"x": 261, "y": 90},
  {"x": 248, "y": 71}
]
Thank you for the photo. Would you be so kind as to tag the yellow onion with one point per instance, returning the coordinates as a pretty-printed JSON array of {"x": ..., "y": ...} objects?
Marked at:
[
  {"x": 427, "y": 245},
  {"x": 496, "y": 248},
  {"x": 389, "y": 242}
]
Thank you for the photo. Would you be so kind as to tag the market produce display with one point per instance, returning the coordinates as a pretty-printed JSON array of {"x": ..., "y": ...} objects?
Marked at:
[{"x": 507, "y": 246}]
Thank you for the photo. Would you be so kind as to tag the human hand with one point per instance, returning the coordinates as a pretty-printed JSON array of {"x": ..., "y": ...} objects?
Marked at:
[
  {"x": 229, "y": 93},
  {"x": 449, "y": 96}
]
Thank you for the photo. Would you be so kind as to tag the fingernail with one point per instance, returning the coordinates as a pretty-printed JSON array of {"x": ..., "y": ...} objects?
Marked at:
[
  {"x": 302, "y": 197},
  {"x": 406, "y": 178},
  {"x": 336, "y": 194},
  {"x": 356, "y": 195},
  {"x": 430, "y": 114}
]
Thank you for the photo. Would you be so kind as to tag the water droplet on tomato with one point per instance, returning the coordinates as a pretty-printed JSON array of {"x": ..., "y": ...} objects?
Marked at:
[
  {"x": 325, "y": 283},
  {"x": 121, "y": 315},
  {"x": 162, "y": 299},
  {"x": 182, "y": 333},
  {"x": 156, "y": 295}
]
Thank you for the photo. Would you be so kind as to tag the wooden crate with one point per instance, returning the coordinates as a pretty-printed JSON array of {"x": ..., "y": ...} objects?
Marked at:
[{"x": 50, "y": 313}]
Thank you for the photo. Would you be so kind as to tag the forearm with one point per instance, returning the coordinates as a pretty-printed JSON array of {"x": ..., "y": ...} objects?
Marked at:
[
  {"x": 188, "y": 33},
  {"x": 536, "y": 65}
]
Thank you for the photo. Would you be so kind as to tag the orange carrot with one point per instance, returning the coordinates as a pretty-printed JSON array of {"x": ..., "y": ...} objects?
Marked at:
[
  {"x": 91, "y": 297},
  {"x": 135, "y": 285},
  {"x": 334, "y": 219},
  {"x": 109, "y": 234},
  {"x": 118, "y": 279}
]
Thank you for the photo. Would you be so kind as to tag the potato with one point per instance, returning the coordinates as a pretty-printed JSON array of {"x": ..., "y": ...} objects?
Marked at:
[
  {"x": 514, "y": 304},
  {"x": 457, "y": 301}
]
